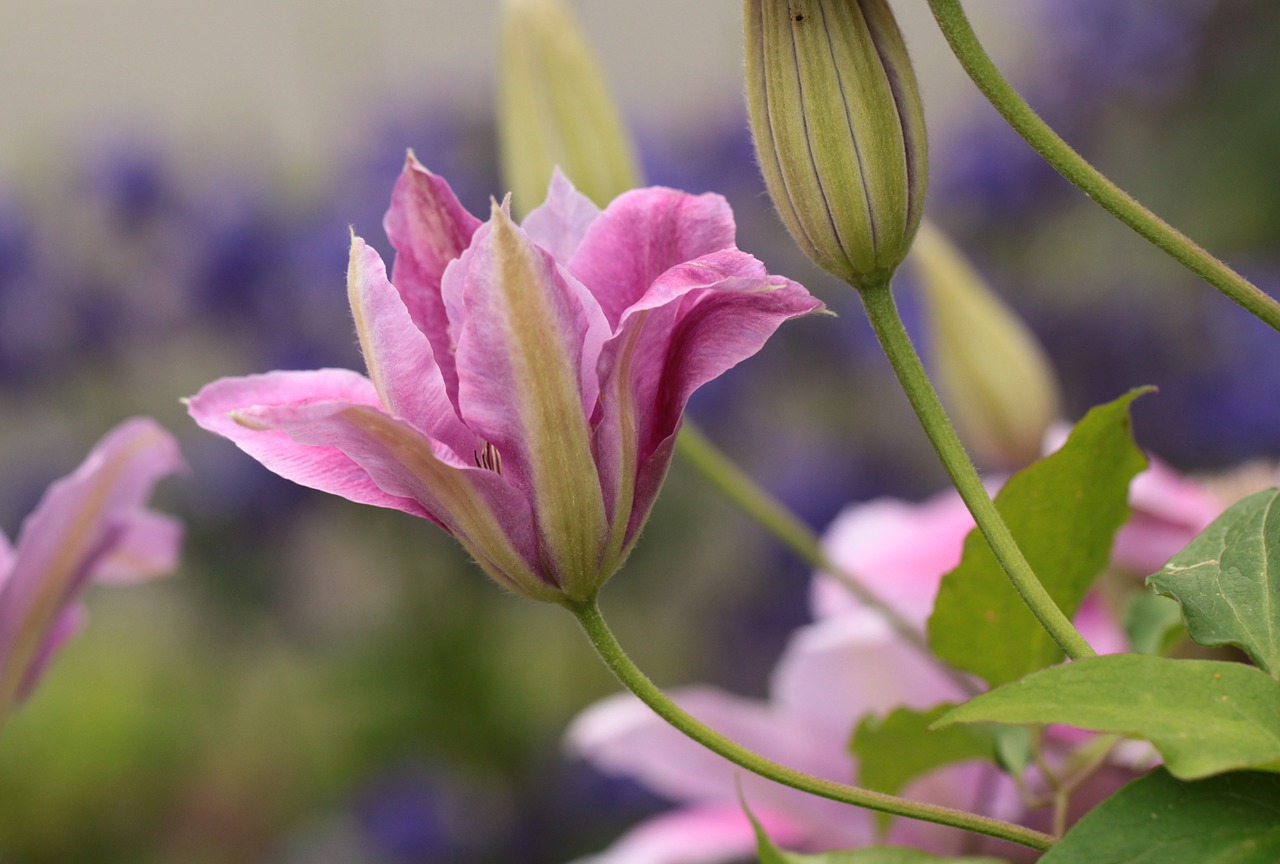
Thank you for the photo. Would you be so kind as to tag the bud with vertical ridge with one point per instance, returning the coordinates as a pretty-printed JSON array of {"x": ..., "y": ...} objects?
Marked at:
[
  {"x": 839, "y": 130},
  {"x": 554, "y": 109},
  {"x": 997, "y": 381}
]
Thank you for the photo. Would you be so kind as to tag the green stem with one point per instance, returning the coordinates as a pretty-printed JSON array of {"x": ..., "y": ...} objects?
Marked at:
[
  {"x": 883, "y": 314},
  {"x": 1071, "y": 165},
  {"x": 739, "y": 488},
  {"x": 602, "y": 639}
]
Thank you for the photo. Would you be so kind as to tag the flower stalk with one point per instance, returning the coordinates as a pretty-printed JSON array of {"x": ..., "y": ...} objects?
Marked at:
[
  {"x": 769, "y": 513},
  {"x": 1066, "y": 161},
  {"x": 631, "y": 677},
  {"x": 885, "y": 321}
]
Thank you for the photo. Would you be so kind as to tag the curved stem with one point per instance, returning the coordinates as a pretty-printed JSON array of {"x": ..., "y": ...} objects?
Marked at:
[
  {"x": 743, "y": 491},
  {"x": 969, "y": 51},
  {"x": 602, "y": 639},
  {"x": 883, "y": 314}
]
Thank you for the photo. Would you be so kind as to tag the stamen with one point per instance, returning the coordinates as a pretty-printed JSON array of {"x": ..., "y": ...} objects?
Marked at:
[{"x": 489, "y": 458}]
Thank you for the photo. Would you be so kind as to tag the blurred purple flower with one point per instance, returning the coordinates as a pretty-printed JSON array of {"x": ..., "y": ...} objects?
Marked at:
[{"x": 1138, "y": 48}]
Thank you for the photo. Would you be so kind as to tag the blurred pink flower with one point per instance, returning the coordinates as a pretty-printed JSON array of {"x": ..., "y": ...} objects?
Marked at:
[
  {"x": 526, "y": 382},
  {"x": 848, "y": 663},
  {"x": 89, "y": 526}
]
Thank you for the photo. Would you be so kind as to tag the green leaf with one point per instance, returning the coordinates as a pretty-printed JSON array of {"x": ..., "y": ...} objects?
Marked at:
[
  {"x": 1228, "y": 580},
  {"x": 1152, "y": 623},
  {"x": 1013, "y": 749},
  {"x": 1229, "y": 819},
  {"x": 768, "y": 853},
  {"x": 895, "y": 749},
  {"x": 1204, "y": 716},
  {"x": 1063, "y": 511}
]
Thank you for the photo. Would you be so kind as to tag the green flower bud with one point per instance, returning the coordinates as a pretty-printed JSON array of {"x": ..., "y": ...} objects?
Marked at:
[
  {"x": 996, "y": 380},
  {"x": 839, "y": 130},
  {"x": 555, "y": 109}
]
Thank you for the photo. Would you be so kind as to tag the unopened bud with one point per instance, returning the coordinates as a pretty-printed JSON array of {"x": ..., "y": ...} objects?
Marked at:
[
  {"x": 839, "y": 130},
  {"x": 996, "y": 380},
  {"x": 554, "y": 109}
]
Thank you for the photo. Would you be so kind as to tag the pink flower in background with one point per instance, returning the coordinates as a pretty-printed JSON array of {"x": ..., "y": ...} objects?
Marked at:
[
  {"x": 90, "y": 526},
  {"x": 526, "y": 382},
  {"x": 847, "y": 664}
]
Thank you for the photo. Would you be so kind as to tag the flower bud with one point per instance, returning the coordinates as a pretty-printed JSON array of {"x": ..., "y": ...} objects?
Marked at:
[
  {"x": 839, "y": 130},
  {"x": 996, "y": 380},
  {"x": 555, "y": 110}
]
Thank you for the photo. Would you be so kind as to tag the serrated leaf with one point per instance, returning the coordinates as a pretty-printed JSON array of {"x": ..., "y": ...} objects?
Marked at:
[
  {"x": 1063, "y": 511},
  {"x": 1204, "y": 716},
  {"x": 1227, "y": 580},
  {"x": 895, "y": 749},
  {"x": 1156, "y": 819},
  {"x": 1152, "y": 623}
]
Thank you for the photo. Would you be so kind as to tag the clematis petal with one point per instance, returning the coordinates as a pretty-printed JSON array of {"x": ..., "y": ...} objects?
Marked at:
[
  {"x": 428, "y": 228},
  {"x": 899, "y": 549},
  {"x": 527, "y": 357},
  {"x": 620, "y": 735},
  {"x": 325, "y": 468},
  {"x": 68, "y": 623},
  {"x": 875, "y": 670},
  {"x": 77, "y": 525},
  {"x": 148, "y": 545},
  {"x": 641, "y": 235},
  {"x": 477, "y": 506},
  {"x": 1168, "y": 511},
  {"x": 559, "y": 223},
  {"x": 399, "y": 357},
  {"x": 694, "y": 323},
  {"x": 6, "y": 558},
  {"x": 707, "y": 834}
]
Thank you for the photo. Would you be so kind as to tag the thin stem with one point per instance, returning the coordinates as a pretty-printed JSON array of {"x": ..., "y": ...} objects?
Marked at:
[
  {"x": 602, "y": 639},
  {"x": 969, "y": 51},
  {"x": 883, "y": 314},
  {"x": 739, "y": 488},
  {"x": 1059, "y": 797}
]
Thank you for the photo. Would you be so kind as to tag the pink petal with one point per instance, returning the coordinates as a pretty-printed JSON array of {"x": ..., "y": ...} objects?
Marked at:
[
  {"x": 527, "y": 355},
  {"x": 835, "y": 671},
  {"x": 622, "y": 736},
  {"x": 1099, "y": 627},
  {"x": 6, "y": 558},
  {"x": 899, "y": 549},
  {"x": 68, "y": 623},
  {"x": 698, "y": 835},
  {"x": 400, "y": 359},
  {"x": 559, "y": 223},
  {"x": 78, "y": 524},
  {"x": 149, "y": 545},
  {"x": 477, "y": 506},
  {"x": 695, "y": 322},
  {"x": 975, "y": 786},
  {"x": 325, "y": 468},
  {"x": 428, "y": 228},
  {"x": 1168, "y": 512},
  {"x": 642, "y": 234}
]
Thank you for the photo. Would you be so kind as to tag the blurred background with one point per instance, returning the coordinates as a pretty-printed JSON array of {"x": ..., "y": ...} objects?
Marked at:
[{"x": 327, "y": 683}]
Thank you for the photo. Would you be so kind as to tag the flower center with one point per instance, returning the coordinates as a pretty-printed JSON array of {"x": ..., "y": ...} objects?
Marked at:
[{"x": 489, "y": 458}]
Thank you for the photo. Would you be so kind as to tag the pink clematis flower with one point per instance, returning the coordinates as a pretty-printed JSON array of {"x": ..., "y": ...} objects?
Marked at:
[
  {"x": 526, "y": 382},
  {"x": 90, "y": 526},
  {"x": 848, "y": 663}
]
